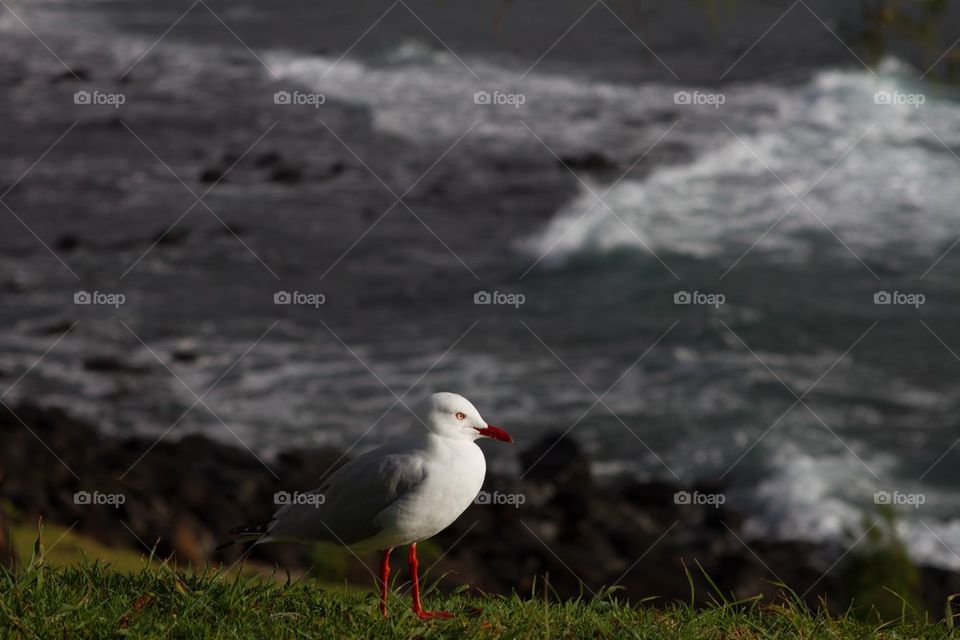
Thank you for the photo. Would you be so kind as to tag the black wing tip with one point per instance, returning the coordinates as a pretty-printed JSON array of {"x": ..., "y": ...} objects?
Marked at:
[
  {"x": 246, "y": 533},
  {"x": 251, "y": 529}
]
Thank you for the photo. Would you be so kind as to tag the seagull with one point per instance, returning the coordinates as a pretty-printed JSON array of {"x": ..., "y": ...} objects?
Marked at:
[{"x": 398, "y": 494}]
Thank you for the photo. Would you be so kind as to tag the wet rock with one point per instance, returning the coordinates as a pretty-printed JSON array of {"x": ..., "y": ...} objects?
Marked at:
[
  {"x": 170, "y": 237},
  {"x": 53, "y": 328},
  {"x": 588, "y": 161},
  {"x": 558, "y": 460},
  {"x": 653, "y": 494},
  {"x": 112, "y": 123},
  {"x": 305, "y": 467},
  {"x": 211, "y": 174},
  {"x": 231, "y": 229},
  {"x": 268, "y": 159},
  {"x": 67, "y": 242},
  {"x": 14, "y": 285},
  {"x": 286, "y": 174},
  {"x": 79, "y": 74},
  {"x": 107, "y": 364},
  {"x": 185, "y": 355}
]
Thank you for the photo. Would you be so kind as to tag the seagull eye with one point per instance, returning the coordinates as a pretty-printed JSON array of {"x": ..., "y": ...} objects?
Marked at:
[{"x": 461, "y": 415}]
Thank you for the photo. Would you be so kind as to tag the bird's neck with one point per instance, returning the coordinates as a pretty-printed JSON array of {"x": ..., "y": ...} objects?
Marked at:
[{"x": 433, "y": 442}]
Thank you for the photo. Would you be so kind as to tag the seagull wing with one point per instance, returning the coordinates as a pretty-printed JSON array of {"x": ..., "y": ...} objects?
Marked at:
[{"x": 344, "y": 509}]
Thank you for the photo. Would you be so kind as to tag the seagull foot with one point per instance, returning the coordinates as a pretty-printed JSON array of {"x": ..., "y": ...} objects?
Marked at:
[{"x": 430, "y": 615}]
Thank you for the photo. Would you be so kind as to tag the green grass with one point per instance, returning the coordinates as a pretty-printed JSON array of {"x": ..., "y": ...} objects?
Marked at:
[
  {"x": 65, "y": 594},
  {"x": 90, "y": 600},
  {"x": 67, "y": 547}
]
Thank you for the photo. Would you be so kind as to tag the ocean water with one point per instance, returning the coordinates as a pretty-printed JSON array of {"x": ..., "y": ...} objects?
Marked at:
[{"x": 687, "y": 198}]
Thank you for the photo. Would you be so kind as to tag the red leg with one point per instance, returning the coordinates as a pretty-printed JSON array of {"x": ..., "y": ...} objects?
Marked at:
[
  {"x": 384, "y": 584},
  {"x": 417, "y": 607}
]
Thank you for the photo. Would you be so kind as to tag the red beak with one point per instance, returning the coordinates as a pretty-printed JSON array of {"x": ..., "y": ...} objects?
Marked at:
[{"x": 496, "y": 433}]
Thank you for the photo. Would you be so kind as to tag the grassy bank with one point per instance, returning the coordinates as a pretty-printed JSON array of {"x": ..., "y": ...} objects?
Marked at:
[
  {"x": 64, "y": 546},
  {"x": 61, "y": 593},
  {"x": 92, "y": 601}
]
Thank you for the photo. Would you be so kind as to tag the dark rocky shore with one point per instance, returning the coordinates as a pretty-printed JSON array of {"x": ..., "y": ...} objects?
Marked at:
[{"x": 569, "y": 536}]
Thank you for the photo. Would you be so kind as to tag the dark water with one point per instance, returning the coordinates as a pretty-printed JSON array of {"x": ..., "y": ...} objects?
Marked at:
[{"x": 695, "y": 198}]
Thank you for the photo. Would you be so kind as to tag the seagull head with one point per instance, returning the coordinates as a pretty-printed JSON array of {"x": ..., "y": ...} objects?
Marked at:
[{"x": 450, "y": 415}]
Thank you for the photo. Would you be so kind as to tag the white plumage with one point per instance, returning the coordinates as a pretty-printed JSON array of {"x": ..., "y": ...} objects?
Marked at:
[{"x": 398, "y": 494}]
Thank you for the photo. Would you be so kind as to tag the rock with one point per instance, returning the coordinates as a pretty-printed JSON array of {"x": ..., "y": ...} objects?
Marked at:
[
  {"x": 54, "y": 328},
  {"x": 558, "y": 460},
  {"x": 112, "y": 122},
  {"x": 268, "y": 159},
  {"x": 14, "y": 285},
  {"x": 102, "y": 364},
  {"x": 185, "y": 355},
  {"x": 79, "y": 74},
  {"x": 655, "y": 494},
  {"x": 8, "y": 556},
  {"x": 67, "y": 242},
  {"x": 211, "y": 174},
  {"x": 231, "y": 229},
  {"x": 286, "y": 174},
  {"x": 173, "y": 236},
  {"x": 588, "y": 161}
]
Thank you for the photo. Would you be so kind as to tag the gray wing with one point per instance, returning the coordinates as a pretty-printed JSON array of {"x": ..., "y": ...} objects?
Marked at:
[{"x": 344, "y": 508}]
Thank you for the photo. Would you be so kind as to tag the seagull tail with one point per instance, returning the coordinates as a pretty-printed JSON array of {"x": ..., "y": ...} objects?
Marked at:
[{"x": 248, "y": 533}]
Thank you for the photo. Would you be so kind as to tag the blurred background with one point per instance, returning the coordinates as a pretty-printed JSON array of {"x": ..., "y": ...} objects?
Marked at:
[{"x": 707, "y": 241}]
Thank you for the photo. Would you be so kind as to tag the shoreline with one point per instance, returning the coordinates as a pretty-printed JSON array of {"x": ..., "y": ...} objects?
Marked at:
[{"x": 184, "y": 496}]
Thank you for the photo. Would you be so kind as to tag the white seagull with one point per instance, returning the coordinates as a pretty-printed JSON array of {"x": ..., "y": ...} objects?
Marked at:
[{"x": 398, "y": 494}]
